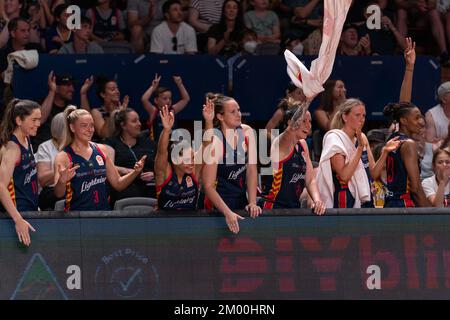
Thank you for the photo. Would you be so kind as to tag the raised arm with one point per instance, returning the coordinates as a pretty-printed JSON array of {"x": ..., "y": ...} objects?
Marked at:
[
  {"x": 376, "y": 168},
  {"x": 84, "y": 101},
  {"x": 177, "y": 107},
  {"x": 47, "y": 104},
  {"x": 410, "y": 60},
  {"x": 7, "y": 166},
  {"x": 346, "y": 171},
  {"x": 274, "y": 121},
  {"x": 145, "y": 99},
  {"x": 162, "y": 165}
]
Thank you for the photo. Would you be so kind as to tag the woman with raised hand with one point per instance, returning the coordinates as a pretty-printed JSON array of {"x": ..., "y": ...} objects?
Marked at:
[
  {"x": 82, "y": 167},
  {"x": 18, "y": 173},
  {"x": 292, "y": 168},
  {"x": 230, "y": 172},
  {"x": 402, "y": 166}
]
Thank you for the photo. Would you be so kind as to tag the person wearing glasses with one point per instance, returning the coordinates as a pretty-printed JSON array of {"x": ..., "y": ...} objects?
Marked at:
[{"x": 173, "y": 36}]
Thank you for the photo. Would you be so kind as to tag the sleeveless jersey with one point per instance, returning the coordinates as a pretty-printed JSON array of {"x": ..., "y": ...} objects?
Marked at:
[
  {"x": 288, "y": 182},
  {"x": 175, "y": 196},
  {"x": 397, "y": 178},
  {"x": 23, "y": 187},
  {"x": 231, "y": 173},
  {"x": 87, "y": 190}
]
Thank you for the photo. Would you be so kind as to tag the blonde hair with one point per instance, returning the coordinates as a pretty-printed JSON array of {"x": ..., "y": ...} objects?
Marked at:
[
  {"x": 345, "y": 108},
  {"x": 71, "y": 115}
]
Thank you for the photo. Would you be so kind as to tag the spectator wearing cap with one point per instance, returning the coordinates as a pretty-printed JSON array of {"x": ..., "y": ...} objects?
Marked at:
[
  {"x": 58, "y": 35},
  {"x": 351, "y": 44},
  {"x": 81, "y": 43},
  {"x": 10, "y": 10},
  {"x": 173, "y": 36},
  {"x": 438, "y": 118},
  {"x": 60, "y": 95}
]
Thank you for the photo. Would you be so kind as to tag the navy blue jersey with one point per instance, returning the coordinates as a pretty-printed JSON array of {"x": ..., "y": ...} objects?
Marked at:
[
  {"x": 23, "y": 187},
  {"x": 288, "y": 181},
  {"x": 398, "y": 194},
  {"x": 105, "y": 28},
  {"x": 231, "y": 173},
  {"x": 366, "y": 164},
  {"x": 178, "y": 196},
  {"x": 87, "y": 189}
]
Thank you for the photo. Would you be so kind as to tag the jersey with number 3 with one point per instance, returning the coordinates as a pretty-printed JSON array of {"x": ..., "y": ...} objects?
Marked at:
[{"x": 87, "y": 190}]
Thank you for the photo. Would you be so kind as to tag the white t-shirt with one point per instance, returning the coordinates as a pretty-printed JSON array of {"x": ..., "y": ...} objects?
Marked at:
[
  {"x": 440, "y": 121},
  {"x": 430, "y": 187},
  {"x": 162, "y": 39},
  {"x": 46, "y": 152}
]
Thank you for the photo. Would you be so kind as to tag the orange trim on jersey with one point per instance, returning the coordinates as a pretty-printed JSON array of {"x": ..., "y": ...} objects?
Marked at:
[
  {"x": 12, "y": 191},
  {"x": 275, "y": 188},
  {"x": 69, "y": 196}
]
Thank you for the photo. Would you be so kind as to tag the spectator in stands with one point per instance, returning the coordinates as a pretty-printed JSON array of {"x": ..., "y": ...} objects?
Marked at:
[
  {"x": 82, "y": 167},
  {"x": 45, "y": 159},
  {"x": 173, "y": 36},
  {"x": 177, "y": 174},
  {"x": 19, "y": 39},
  {"x": 224, "y": 37},
  {"x": 385, "y": 40},
  {"x": 306, "y": 16},
  {"x": 249, "y": 42},
  {"x": 38, "y": 23},
  {"x": 279, "y": 119},
  {"x": 312, "y": 43},
  {"x": 58, "y": 35},
  {"x": 347, "y": 166},
  {"x": 292, "y": 168},
  {"x": 425, "y": 10},
  {"x": 333, "y": 96},
  {"x": 81, "y": 43},
  {"x": 294, "y": 45},
  {"x": 11, "y": 9},
  {"x": 18, "y": 178},
  {"x": 264, "y": 22},
  {"x": 438, "y": 118},
  {"x": 202, "y": 15},
  {"x": 403, "y": 176},
  {"x": 437, "y": 187},
  {"x": 108, "y": 23},
  {"x": 60, "y": 95},
  {"x": 142, "y": 17},
  {"x": 128, "y": 145},
  {"x": 231, "y": 173},
  {"x": 351, "y": 44},
  {"x": 108, "y": 92},
  {"x": 163, "y": 97}
]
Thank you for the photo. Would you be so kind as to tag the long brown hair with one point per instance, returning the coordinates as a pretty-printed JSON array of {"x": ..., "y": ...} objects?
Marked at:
[{"x": 15, "y": 108}]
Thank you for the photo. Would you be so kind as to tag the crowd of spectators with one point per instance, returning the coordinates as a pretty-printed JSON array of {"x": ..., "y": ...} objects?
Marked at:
[{"x": 224, "y": 27}]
